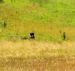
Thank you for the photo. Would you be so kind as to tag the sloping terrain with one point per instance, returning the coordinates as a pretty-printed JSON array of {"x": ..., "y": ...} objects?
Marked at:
[{"x": 48, "y": 19}]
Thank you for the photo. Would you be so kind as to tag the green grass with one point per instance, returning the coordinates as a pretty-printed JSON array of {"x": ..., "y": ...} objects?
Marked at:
[{"x": 45, "y": 18}]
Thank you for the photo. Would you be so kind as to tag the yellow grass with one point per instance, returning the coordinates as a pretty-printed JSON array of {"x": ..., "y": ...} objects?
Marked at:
[
  {"x": 32, "y": 55},
  {"x": 34, "y": 48}
]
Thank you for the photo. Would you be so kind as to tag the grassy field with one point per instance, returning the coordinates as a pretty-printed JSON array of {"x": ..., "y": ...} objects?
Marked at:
[
  {"x": 37, "y": 56},
  {"x": 47, "y": 64},
  {"x": 47, "y": 19},
  {"x": 36, "y": 49}
]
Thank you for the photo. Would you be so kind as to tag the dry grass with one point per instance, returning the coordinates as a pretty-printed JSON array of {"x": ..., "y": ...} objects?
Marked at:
[
  {"x": 32, "y": 55},
  {"x": 35, "y": 48}
]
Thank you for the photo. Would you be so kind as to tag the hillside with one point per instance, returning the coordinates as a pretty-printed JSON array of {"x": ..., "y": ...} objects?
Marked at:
[
  {"x": 48, "y": 19},
  {"x": 52, "y": 22}
]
